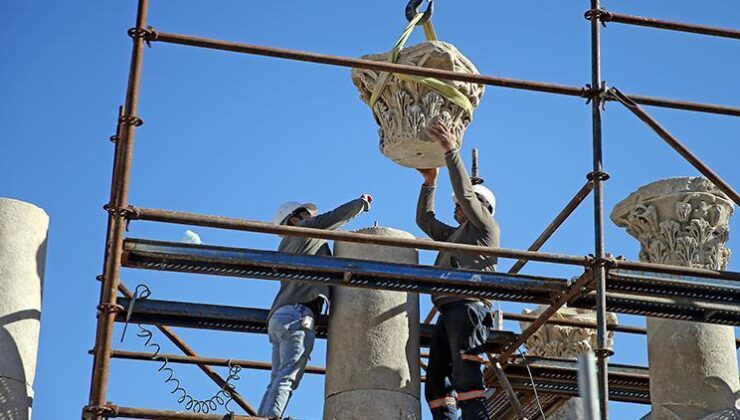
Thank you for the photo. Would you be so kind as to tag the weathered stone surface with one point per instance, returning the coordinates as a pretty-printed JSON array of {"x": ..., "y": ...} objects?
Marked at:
[
  {"x": 373, "y": 347},
  {"x": 405, "y": 109},
  {"x": 23, "y": 232},
  {"x": 563, "y": 341},
  {"x": 693, "y": 366}
]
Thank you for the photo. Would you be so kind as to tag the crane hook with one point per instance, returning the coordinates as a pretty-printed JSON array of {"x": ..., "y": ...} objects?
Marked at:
[{"x": 412, "y": 8}]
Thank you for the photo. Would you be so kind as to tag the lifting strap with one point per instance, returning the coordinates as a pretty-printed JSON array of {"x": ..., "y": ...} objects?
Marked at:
[{"x": 449, "y": 92}]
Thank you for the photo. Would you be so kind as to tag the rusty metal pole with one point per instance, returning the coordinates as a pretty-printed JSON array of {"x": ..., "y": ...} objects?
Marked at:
[
  {"x": 119, "y": 200},
  {"x": 598, "y": 176}
]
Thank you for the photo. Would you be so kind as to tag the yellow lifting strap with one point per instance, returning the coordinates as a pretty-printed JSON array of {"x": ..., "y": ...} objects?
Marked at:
[{"x": 449, "y": 92}]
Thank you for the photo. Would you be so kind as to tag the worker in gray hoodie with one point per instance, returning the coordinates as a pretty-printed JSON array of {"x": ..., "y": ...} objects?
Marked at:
[
  {"x": 290, "y": 326},
  {"x": 463, "y": 323}
]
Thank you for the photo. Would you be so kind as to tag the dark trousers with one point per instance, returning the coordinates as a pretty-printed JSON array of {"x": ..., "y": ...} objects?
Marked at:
[{"x": 455, "y": 362}]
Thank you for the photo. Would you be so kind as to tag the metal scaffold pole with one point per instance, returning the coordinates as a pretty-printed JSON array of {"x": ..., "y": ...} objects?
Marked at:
[
  {"x": 598, "y": 87},
  {"x": 117, "y": 208}
]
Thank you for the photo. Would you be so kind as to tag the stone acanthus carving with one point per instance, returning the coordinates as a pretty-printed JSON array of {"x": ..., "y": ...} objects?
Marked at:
[
  {"x": 681, "y": 221},
  {"x": 405, "y": 109},
  {"x": 565, "y": 341}
]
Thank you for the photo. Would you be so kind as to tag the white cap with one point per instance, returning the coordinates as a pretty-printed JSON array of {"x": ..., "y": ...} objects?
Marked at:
[
  {"x": 286, "y": 209},
  {"x": 485, "y": 193},
  {"x": 190, "y": 237}
]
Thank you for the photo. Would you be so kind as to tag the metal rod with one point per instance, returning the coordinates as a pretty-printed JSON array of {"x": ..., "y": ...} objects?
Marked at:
[
  {"x": 185, "y": 348},
  {"x": 114, "y": 241},
  {"x": 168, "y": 216},
  {"x": 556, "y": 223},
  {"x": 146, "y": 413},
  {"x": 568, "y": 294},
  {"x": 671, "y": 25},
  {"x": 598, "y": 176},
  {"x": 475, "y": 163},
  {"x": 575, "y": 323},
  {"x": 676, "y": 144},
  {"x": 215, "y": 44},
  {"x": 504, "y": 381},
  {"x": 587, "y": 385},
  {"x": 199, "y": 360}
]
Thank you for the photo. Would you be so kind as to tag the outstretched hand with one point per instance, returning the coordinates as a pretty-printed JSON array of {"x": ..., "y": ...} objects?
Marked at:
[
  {"x": 429, "y": 175},
  {"x": 439, "y": 132}
]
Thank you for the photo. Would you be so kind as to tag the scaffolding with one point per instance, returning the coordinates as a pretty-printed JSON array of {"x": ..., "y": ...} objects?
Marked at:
[{"x": 607, "y": 283}]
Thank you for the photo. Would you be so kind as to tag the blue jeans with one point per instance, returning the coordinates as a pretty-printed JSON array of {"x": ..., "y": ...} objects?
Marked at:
[
  {"x": 454, "y": 376},
  {"x": 292, "y": 332}
]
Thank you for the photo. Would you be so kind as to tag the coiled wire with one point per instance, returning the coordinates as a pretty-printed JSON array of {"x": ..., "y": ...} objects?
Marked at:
[{"x": 222, "y": 398}]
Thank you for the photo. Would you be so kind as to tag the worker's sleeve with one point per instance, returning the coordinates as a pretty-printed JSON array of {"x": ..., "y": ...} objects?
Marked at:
[
  {"x": 477, "y": 214},
  {"x": 426, "y": 218},
  {"x": 337, "y": 217}
]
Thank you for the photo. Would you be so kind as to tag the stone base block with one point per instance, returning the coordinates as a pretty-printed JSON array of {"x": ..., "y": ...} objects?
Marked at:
[{"x": 363, "y": 404}]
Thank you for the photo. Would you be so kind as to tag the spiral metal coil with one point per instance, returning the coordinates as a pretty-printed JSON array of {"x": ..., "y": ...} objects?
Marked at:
[{"x": 222, "y": 398}]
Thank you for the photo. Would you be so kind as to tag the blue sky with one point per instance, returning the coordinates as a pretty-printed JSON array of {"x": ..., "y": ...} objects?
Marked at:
[{"x": 236, "y": 135}]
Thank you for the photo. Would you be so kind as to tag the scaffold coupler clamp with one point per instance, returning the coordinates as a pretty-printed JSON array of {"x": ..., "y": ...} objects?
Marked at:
[
  {"x": 129, "y": 213},
  {"x": 412, "y": 9},
  {"x": 601, "y": 15},
  {"x": 93, "y": 411},
  {"x": 602, "y": 353},
  {"x": 597, "y": 176},
  {"x": 601, "y": 94},
  {"x": 148, "y": 34}
]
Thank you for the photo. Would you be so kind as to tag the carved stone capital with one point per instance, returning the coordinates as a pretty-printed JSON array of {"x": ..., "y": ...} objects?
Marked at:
[
  {"x": 563, "y": 341},
  {"x": 678, "y": 221},
  {"x": 405, "y": 109}
]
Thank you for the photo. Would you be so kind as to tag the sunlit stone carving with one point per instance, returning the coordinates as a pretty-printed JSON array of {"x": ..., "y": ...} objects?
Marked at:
[{"x": 405, "y": 109}]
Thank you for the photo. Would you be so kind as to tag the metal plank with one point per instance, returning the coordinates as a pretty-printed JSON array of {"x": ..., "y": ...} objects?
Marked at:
[
  {"x": 238, "y": 262},
  {"x": 252, "y": 320}
]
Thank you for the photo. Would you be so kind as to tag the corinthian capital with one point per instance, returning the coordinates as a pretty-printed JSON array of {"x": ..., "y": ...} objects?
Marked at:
[
  {"x": 678, "y": 221},
  {"x": 405, "y": 109}
]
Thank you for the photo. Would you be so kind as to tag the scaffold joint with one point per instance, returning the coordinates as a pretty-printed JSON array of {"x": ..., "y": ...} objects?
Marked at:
[
  {"x": 110, "y": 307},
  {"x": 601, "y": 15},
  {"x": 148, "y": 34},
  {"x": 100, "y": 410},
  {"x": 125, "y": 212},
  {"x": 130, "y": 120},
  {"x": 597, "y": 175},
  {"x": 601, "y": 353}
]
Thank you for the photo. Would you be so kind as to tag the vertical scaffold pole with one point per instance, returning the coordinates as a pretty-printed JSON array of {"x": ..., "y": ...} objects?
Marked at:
[
  {"x": 117, "y": 210},
  {"x": 598, "y": 176}
]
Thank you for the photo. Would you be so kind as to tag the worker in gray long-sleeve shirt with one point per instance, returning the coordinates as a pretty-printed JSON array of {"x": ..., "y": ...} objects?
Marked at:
[
  {"x": 464, "y": 323},
  {"x": 290, "y": 323}
]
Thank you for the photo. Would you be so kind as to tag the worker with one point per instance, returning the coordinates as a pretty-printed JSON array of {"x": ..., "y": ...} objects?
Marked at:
[
  {"x": 463, "y": 324},
  {"x": 290, "y": 322}
]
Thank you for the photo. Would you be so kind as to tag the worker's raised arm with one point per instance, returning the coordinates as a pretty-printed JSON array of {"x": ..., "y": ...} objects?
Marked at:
[
  {"x": 340, "y": 215},
  {"x": 478, "y": 215},
  {"x": 426, "y": 219}
]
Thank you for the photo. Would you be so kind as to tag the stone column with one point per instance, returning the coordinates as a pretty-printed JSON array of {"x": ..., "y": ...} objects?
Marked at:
[
  {"x": 693, "y": 366},
  {"x": 561, "y": 341},
  {"x": 372, "y": 367},
  {"x": 23, "y": 230}
]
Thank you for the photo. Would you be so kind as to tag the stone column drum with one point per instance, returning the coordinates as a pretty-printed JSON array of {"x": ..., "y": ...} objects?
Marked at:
[
  {"x": 693, "y": 366},
  {"x": 405, "y": 109},
  {"x": 372, "y": 357},
  {"x": 23, "y": 231},
  {"x": 561, "y": 341}
]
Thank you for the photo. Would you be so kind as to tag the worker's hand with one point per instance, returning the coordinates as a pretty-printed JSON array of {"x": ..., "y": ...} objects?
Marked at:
[
  {"x": 439, "y": 132},
  {"x": 430, "y": 175}
]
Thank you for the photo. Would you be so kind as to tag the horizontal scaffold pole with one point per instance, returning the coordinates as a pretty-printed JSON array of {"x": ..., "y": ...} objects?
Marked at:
[
  {"x": 220, "y": 222},
  {"x": 583, "y": 92},
  {"x": 608, "y": 16}
]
